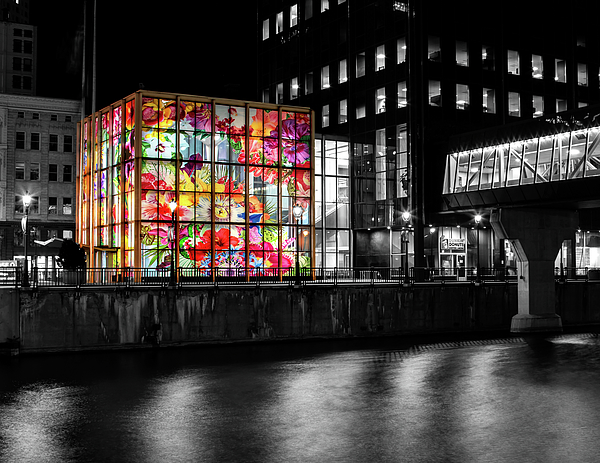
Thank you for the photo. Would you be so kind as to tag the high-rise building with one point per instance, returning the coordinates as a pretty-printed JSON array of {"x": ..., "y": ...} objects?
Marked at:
[{"x": 391, "y": 82}]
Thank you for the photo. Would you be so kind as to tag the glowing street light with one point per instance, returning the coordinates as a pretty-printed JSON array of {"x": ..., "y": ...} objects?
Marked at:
[
  {"x": 297, "y": 211},
  {"x": 477, "y": 223},
  {"x": 404, "y": 238},
  {"x": 173, "y": 207},
  {"x": 25, "y": 226}
]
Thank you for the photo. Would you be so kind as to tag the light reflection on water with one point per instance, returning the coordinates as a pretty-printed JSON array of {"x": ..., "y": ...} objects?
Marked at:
[{"x": 286, "y": 403}]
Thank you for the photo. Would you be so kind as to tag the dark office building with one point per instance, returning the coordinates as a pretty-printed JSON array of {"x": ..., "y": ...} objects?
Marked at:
[{"x": 391, "y": 83}]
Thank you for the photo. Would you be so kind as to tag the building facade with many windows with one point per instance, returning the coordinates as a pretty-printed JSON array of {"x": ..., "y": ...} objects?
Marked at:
[
  {"x": 391, "y": 82},
  {"x": 37, "y": 156},
  {"x": 18, "y": 49}
]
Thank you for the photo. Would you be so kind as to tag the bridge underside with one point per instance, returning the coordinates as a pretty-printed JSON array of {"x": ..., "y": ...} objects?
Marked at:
[{"x": 570, "y": 194}]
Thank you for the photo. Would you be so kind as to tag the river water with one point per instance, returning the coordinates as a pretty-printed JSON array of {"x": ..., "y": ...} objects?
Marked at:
[{"x": 507, "y": 400}]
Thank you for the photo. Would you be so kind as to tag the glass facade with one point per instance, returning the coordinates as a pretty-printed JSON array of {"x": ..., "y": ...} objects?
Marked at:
[
  {"x": 562, "y": 156},
  {"x": 235, "y": 171},
  {"x": 332, "y": 204}
]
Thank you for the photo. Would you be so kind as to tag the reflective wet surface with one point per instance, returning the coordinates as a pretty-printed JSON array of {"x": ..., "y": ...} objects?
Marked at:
[{"x": 500, "y": 401}]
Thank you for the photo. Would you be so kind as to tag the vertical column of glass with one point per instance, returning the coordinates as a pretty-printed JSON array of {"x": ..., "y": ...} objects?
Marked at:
[
  {"x": 84, "y": 185},
  {"x": 263, "y": 236},
  {"x": 295, "y": 129},
  {"x": 128, "y": 172},
  {"x": 103, "y": 176},
  {"x": 116, "y": 186},
  {"x": 230, "y": 189},
  {"x": 158, "y": 177},
  {"x": 319, "y": 209},
  {"x": 195, "y": 180},
  {"x": 95, "y": 205}
]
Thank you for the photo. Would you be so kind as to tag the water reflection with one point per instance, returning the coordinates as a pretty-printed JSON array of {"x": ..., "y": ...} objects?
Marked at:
[{"x": 308, "y": 402}]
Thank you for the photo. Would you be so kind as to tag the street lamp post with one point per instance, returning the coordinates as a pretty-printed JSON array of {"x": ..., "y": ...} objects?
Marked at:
[
  {"x": 404, "y": 238},
  {"x": 173, "y": 207},
  {"x": 25, "y": 227},
  {"x": 297, "y": 211},
  {"x": 477, "y": 224}
]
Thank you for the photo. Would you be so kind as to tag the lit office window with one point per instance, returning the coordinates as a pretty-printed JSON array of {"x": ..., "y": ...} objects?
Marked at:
[
  {"x": 265, "y": 29},
  {"x": 487, "y": 58},
  {"x": 325, "y": 116},
  {"x": 325, "y": 77},
  {"x": 462, "y": 96},
  {"x": 401, "y": 6},
  {"x": 538, "y": 105},
  {"x": 435, "y": 93},
  {"x": 324, "y": 5},
  {"x": 380, "y": 58},
  {"x": 294, "y": 88},
  {"x": 401, "y": 161},
  {"x": 561, "y": 105},
  {"x": 489, "y": 101},
  {"x": 537, "y": 67},
  {"x": 433, "y": 49},
  {"x": 20, "y": 170},
  {"x": 380, "y": 100},
  {"x": 265, "y": 95},
  {"x": 462, "y": 53},
  {"x": 279, "y": 23},
  {"x": 360, "y": 64},
  {"x": 343, "y": 71},
  {"x": 402, "y": 94},
  {"x": 582, "y": 74},
  {"x": 361, "y": 110},
  {"x": 560, "y": 70},
  {"x": 293, "y": 15},
  {"x": 279, "y": 95},
  {"x": 67, "y": 206},
  {"x": 343, "y": 112},
  {"x": 513, "y": 62},
  {"x": 581, "y": 104},
  {"x": 514, "y": 104},
  {"x": 401, "y": 50}
]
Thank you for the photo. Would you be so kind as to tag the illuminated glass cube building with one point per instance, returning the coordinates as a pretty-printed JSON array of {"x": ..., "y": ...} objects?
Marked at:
[{"x": 234, "y": 169}]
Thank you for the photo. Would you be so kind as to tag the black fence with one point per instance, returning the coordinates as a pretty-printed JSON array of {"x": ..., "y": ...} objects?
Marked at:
[{"x": 183, "y": 277}]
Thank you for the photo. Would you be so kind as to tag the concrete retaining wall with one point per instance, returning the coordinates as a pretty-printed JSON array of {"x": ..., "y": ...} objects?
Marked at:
[{"x": 53, "y": 319}]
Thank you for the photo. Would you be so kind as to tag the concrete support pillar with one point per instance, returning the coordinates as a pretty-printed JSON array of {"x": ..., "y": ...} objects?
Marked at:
[{"x": 536, "y": 236}]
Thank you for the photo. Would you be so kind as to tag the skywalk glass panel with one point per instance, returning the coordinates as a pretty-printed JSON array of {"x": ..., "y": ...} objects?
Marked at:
[{"x": 550, "y": 158}]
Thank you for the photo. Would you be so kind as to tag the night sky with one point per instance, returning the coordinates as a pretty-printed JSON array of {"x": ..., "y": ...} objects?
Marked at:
[{"x": 182, "y": 47}]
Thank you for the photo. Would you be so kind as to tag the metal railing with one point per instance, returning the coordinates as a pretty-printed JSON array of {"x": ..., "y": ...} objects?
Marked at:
[{"x": 186, "y": 277}]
